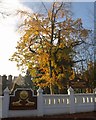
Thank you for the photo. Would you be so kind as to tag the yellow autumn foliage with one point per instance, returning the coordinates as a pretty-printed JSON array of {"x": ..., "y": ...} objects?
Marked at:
[{"x": 45, "y": 52}]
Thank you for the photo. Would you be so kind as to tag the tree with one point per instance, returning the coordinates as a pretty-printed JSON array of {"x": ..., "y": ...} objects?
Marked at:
[
  {"x": 47, "y": 45},
  {"x": 89, "y": 75},
  {"x": 28, "y": 80}
]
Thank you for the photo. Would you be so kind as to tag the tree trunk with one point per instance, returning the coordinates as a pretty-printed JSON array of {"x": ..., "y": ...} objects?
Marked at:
[
  {"x": 50, "y": 74},
  {"x": 51, "y": 89},
  {"x": 51, "y": 42}
]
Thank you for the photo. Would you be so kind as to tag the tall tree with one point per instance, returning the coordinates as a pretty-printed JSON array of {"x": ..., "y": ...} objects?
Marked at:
[
  {"x": 47, "y": 45},
  {"x": 28, "y": 80},
  {"x": 89, "y": 75}
]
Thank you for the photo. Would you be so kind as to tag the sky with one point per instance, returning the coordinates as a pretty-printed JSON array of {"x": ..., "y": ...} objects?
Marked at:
[{"x": 9, "y": 36}]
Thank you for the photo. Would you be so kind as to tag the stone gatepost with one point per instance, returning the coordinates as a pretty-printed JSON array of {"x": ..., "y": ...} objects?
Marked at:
[
  {"x": 5, "y": 107},
  {"x": 40, "y": 102},
  {"x": 71, "y": 100}
]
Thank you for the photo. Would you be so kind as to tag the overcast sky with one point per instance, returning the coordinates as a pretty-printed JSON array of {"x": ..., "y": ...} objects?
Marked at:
[{"x": 9, "y": 36}]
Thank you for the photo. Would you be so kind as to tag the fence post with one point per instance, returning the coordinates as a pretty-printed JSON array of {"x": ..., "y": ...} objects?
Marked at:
[
  {"x": 94, "y": 91},
  {"x": 5, "y": 107},
  {"x": 71, "y": 100},
  {"x": 40, "y": 102}
]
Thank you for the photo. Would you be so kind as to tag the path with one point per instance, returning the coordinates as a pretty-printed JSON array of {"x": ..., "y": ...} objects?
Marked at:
[{"x": 76, "y": 116}]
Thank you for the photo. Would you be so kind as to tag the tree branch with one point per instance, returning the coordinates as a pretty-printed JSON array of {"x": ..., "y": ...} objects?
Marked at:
[
  {"x": 32, "y": 50},
  {"x": 79, "y": 61}
]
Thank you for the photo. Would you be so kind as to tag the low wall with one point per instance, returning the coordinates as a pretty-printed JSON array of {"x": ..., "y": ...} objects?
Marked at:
[
  {"x": 53, "y": 104},
  {"x": 56, "y": 104}
]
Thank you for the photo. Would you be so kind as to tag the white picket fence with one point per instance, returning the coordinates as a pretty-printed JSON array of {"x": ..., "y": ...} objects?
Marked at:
[{"x": 54, "y": 104}]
